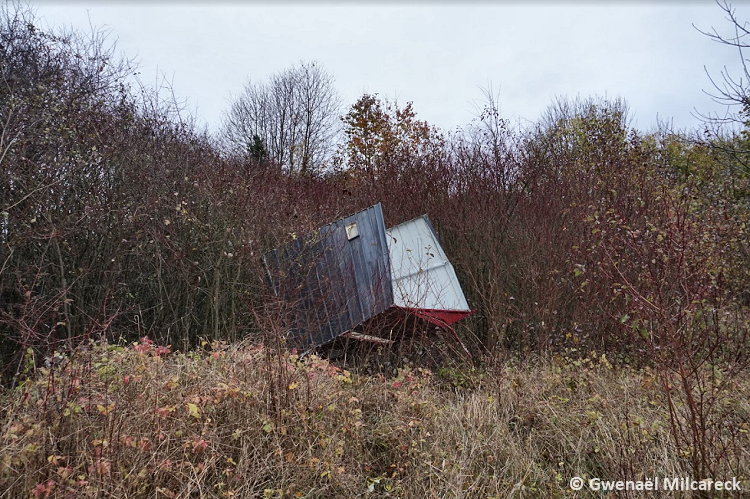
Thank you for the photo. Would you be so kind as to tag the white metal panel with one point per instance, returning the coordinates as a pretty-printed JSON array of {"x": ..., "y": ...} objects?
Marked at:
[{"x": 421, "y": 274}]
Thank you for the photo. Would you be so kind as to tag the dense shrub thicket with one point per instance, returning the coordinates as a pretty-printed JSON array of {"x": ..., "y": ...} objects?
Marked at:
[
  {"x": 609, "y": 268},
  {"x": 119, "y": 218}
]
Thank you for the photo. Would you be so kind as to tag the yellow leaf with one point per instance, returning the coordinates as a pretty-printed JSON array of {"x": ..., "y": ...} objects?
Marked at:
[
  {"x": 105, "y": 410},
  {"x": 194, "y": 410},
  {"x": 294, "y": 385}
]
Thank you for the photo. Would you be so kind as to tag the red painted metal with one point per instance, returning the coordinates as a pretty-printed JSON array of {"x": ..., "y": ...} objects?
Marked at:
[{"x": 439, "y": 317}]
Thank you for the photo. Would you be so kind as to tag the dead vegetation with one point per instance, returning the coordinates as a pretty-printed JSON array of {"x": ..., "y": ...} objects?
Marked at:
[
  {"x": 241, "y": 421},
  {"x": 609, "y": 269}
]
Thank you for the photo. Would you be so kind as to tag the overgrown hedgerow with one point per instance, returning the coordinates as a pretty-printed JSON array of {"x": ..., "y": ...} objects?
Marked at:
[
  {"x": 120, "y": 219},
  {"x": 241, "y": 421}
]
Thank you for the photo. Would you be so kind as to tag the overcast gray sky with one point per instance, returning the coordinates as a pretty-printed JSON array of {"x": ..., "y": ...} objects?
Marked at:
[{"x": 437, "y": 56}]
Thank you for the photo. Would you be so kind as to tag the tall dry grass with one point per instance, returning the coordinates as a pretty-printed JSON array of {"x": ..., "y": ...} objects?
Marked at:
[{"x": 242, "y": 421}]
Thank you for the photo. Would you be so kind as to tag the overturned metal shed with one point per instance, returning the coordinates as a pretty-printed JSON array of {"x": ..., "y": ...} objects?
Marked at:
[{"x": 353, "y": 277}]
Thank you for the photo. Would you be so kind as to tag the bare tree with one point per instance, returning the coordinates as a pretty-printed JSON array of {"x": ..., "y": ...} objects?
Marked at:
[
  {"x": 731, "y": 89},
  {"x": 730, "y": 132},
  {"x": 290, "y": 120}
]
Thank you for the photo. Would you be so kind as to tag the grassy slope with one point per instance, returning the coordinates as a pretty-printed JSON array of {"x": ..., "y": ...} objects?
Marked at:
[{"x": 239, "y": 421}]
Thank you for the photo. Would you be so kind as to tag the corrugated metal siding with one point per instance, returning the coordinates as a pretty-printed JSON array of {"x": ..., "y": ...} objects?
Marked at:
[
  {"x": 422, "y": 276},
  {"x": 333, "y": 284}
]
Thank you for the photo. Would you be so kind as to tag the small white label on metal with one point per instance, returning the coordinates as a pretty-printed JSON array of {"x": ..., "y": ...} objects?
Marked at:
[{"x": 352, "y": 231}]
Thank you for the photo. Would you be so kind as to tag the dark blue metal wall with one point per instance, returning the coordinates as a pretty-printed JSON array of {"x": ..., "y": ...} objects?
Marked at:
[{"x": 329, "y": 283}]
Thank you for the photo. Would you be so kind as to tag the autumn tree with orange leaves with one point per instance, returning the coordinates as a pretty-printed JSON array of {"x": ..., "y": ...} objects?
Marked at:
[{"x": 381, "y": 138}]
